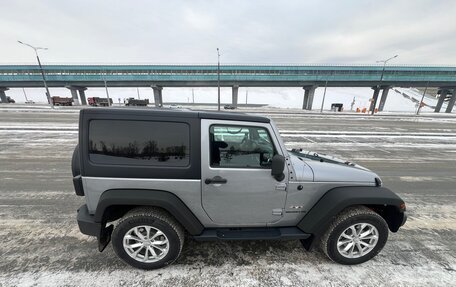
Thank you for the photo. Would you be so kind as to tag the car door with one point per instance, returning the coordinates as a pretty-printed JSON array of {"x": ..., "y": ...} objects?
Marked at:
[{"x": 237, "y": 186}]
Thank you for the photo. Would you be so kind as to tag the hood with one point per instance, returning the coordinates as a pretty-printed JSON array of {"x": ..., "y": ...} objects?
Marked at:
[{"x": 328, "y": 168}]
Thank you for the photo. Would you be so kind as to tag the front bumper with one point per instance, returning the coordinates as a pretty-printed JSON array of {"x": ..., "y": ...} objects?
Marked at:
[
  {"x": 86, "y": 222},
  {"x": 404, "y": 218}
]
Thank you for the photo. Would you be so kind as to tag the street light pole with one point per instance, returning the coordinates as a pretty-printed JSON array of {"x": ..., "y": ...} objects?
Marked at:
[
  {"x": 48, "y": 94},
  {"x": 381, "y": 79},
  {"x": 422, "y": 99},
  {"x": 324, "y": 95},
  {"x": 107, "y": 93},
  {"x": 25, "y": 95},
  {"x": 106, "y": 88},
  {"x": 218, "y": 79}
]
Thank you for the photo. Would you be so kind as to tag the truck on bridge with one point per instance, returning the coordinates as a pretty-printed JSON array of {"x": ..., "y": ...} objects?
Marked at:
[
  {"x": 7, "y": 100},
  {"x": 136, "y": 102},
  {"x": 97, "y": 101},
  {"x": 61, "y": 101}
]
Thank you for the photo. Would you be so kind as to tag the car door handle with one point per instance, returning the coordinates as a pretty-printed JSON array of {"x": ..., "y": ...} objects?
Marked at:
[{"x": 216, "y": 179}]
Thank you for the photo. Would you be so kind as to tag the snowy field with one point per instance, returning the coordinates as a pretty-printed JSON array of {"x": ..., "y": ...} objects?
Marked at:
[
  {"x": 275, "y": 97},
  {"x": 415, "y": 156}
]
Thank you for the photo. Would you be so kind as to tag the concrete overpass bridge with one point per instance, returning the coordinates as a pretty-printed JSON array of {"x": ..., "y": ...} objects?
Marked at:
[{"x": 78, "y": 78}]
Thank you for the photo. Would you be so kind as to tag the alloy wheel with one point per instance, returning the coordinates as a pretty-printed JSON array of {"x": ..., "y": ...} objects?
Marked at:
[{"x": 146, "y": 244}]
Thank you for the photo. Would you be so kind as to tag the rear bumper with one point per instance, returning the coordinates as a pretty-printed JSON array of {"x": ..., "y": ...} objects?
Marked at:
[{"x": 86, "y": 222}]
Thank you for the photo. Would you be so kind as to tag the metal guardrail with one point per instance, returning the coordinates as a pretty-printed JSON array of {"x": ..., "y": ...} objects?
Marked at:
[
  {"x": 66, "y": 74},
  {"x": 229, "y": 64}
]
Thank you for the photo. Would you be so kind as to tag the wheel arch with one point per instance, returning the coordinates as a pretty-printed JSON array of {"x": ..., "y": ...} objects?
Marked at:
[
  {"x": 382, "y": 200},
  {"x": 114, "y": 203}
]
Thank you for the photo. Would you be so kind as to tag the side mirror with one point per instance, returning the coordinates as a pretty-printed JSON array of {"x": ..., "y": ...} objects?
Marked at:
[{"x": 278, "y": 164}]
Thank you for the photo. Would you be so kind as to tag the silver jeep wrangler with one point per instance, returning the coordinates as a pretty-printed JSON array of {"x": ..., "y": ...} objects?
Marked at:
[{"x": 151, "y": 176}]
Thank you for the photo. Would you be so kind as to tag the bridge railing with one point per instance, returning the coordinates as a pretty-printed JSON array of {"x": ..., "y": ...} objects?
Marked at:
[
  {"x": 23, "y": 73},
  {"x": 226, "y": 77}
]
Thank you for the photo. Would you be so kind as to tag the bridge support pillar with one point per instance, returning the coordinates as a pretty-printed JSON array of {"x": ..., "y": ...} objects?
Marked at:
[
  {"x": 82, "y": 96},
  {"x": 383, "y": 98},
  {"x": 374, "y": 98},
  {"x": 74, "y": 94},
  {"x": 158, "y": 98},
  {"x": 234, "y": 96},
  {"x": 3, "y": 95},
  {"x": 309, "y": 92},
  {"x": 443, "y": 94},
  {"x": 451, "y": 102}
]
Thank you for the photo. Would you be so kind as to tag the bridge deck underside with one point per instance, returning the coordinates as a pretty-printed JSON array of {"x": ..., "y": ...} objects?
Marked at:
[
  {"x": 230, "y": 75},
  {"x": 137, "y": 82}
]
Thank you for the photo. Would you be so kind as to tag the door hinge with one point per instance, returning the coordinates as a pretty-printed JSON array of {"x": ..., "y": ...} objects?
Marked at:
[
  {"x": 277, "y": 211},
  {"x": 281, "y": 186}
]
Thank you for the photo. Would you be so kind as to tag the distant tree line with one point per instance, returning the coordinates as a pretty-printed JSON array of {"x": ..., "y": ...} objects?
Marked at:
[{"x": 148, "y": 150}]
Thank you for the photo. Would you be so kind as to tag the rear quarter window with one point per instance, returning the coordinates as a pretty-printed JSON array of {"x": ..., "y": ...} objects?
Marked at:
[{"x": 143, "y": 143}]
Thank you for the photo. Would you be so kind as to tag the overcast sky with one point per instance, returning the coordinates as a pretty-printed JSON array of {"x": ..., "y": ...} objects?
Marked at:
[{"x": 334, "y": 32}]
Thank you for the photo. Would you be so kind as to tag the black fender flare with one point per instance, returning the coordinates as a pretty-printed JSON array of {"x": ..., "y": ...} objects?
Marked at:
[
  {"x": 146, "y": 197},
  {"x": 337, "y": 199},
  {"x": 75, "y": 162}
]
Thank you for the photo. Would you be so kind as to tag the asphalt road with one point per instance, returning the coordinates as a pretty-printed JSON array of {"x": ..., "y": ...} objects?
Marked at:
[{"x": 415, "y": 156}]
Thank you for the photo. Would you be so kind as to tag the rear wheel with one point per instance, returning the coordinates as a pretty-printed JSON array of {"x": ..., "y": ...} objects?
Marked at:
[
  {"x": 148, "y": 238},
  {"x": 355, "y": 236}
]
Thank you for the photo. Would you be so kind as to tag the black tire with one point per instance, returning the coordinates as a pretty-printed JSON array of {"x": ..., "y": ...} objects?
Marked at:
[
  {"x": 156, "y": 218},
  {"x": 347, "y": 218}
]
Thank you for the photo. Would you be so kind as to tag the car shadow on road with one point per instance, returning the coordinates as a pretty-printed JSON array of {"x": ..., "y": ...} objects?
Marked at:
[
  {"x": 196, "y": 254},
  {"x": 245, "y": 253}
]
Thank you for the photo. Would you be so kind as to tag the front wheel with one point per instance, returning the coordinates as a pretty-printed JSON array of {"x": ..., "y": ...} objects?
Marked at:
[
  {"x": 148, "y": 238},
  {"x": 355, "y": 236}
]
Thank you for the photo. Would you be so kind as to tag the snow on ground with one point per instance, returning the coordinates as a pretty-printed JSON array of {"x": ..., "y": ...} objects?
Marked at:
[
  {"x": 415, "y": 157},
  {"x": 276, "y": 97}
]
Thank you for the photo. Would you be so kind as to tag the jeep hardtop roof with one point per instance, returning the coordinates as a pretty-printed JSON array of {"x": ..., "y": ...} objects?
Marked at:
[{"x": 180, "y": 113}]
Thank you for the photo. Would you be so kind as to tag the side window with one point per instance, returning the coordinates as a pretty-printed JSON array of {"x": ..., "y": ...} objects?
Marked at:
[
  {"x": 240, "y": 147},
  {"x": 124, "y": 142}
]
